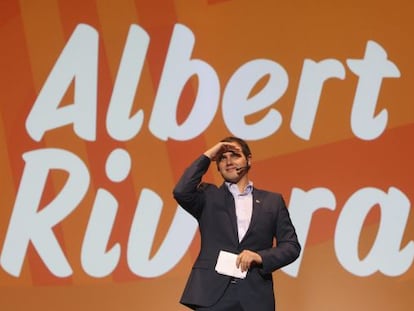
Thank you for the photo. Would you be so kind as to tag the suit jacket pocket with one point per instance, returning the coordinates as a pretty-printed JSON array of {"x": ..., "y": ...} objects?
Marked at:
[{"x": 204, "y": 264}]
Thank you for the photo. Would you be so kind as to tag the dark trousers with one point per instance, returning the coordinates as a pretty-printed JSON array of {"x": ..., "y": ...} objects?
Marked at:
[{"x": 228, "y": 302}]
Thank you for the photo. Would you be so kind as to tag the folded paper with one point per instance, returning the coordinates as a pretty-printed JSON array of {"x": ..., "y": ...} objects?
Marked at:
[{"x": 226, "y": 264}]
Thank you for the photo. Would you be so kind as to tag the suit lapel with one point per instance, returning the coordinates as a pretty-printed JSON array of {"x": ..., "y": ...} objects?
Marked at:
[
  {"x": 256, "y": 201},
  {"x": 231, "y": 210}
]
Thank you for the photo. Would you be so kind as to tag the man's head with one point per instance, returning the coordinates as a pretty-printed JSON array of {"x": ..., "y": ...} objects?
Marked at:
[
  {"x": 242, "y": 144},
  {"x": 233, "y": 165}
]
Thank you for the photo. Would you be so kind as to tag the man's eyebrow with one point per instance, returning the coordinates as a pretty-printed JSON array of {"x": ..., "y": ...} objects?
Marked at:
[{"x": 231, "y": 152}]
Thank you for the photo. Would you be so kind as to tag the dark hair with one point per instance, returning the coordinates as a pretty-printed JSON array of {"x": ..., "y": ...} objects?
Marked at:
[{"x": 244, "y": 146}]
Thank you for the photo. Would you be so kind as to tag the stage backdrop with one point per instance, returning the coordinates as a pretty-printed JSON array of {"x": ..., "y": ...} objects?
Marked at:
[{"x": 105, "y": 103}]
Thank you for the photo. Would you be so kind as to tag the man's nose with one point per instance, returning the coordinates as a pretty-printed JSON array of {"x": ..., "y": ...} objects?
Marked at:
[{"x": 229, "y": 160}]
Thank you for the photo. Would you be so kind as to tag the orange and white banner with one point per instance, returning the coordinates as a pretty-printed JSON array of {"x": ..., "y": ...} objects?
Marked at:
[{"x": 103, "y": 104}]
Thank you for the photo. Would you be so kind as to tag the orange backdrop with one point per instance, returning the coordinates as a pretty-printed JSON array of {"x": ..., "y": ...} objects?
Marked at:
[{"x": 367, "y": 48}]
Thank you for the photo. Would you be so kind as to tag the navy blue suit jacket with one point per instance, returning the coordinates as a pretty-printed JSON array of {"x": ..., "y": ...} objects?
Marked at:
[{"x": 214, "y": 209}]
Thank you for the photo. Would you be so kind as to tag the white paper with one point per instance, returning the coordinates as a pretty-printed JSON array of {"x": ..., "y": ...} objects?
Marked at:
[{"x": 226, "y": 264}]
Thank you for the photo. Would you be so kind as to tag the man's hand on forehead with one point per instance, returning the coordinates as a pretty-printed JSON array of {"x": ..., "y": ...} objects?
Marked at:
[
  {"x": 228, "y": 148},
  {"x": 216, "y": 152}
]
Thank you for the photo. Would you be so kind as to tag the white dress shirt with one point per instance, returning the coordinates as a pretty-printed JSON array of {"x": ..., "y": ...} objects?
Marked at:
[{"x": 244, "y": 206}]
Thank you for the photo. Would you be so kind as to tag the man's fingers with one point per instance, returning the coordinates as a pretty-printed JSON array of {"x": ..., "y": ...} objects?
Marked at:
[
  {"x": 238, "y": 261},
  {"x": 243, "y": 261}
]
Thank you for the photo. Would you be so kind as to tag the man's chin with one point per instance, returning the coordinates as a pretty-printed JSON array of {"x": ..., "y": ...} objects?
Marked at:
[{"x": 233, "y": 180}]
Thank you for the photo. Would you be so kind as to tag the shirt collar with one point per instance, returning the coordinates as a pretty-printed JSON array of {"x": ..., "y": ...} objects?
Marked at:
[{"x": 235, "y": 190}]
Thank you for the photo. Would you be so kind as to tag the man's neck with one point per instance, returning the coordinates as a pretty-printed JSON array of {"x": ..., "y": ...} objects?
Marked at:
[{"x": 242, "y": 183}]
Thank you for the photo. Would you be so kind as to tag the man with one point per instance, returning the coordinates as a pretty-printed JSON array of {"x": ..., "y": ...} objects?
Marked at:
[{"x": 236, "y": 218}]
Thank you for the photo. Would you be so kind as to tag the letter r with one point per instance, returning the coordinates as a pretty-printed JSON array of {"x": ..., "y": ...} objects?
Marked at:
[{"x": 30, "y": 223}]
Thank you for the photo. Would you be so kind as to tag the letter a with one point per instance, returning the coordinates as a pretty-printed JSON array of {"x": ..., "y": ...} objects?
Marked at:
[{"x": 77, "y": 62}]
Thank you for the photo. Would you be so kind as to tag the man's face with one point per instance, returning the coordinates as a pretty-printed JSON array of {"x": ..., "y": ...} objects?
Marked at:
[{"x": 232, "y": 165}]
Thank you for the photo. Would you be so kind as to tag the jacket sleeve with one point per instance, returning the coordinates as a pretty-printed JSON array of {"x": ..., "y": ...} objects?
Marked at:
[
  {"x": 188, "y": 191},
  {"x": 287, "y": 247}
]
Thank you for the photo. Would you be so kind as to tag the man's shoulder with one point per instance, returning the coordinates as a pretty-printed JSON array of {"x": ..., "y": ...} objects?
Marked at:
[
  {"x": 206, "y": 186},
  {"x": 266, "y": 192}
]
